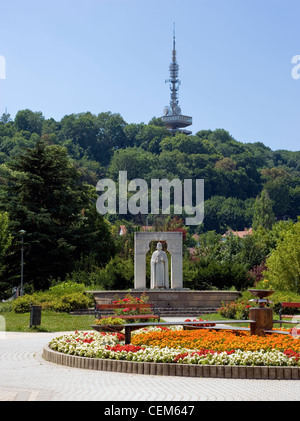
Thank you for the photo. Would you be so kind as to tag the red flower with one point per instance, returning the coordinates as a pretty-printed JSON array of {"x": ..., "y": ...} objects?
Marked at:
[
  {"x": 200, "y": 320},
  {"x": 201, "y": 352},
  {"x": 86, "y": 340},
  {"x": 127, "y": 348},
  {"x": 290, "y": 353},
  {"x": 120, "y": 336}
]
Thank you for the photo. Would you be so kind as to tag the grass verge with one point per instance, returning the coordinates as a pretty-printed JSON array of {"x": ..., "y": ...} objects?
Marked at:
[
  {"x": 62, "y": 322},
  {"x": 50, "y": 322}
]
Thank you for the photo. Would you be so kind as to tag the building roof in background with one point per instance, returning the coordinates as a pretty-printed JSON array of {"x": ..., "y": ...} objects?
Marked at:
[{"x": 240, "y": 234}]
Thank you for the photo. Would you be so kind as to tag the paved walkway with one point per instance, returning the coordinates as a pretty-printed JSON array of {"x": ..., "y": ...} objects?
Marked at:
[{"x": 26, "y": 376}]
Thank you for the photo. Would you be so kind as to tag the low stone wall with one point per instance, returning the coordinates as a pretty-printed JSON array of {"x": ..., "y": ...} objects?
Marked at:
[
  {"x": 173, "y": 369},
  {"x": 172, "y": 298}
]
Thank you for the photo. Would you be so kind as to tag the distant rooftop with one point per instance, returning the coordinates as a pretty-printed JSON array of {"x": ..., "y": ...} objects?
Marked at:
[{"x": 240, "y": 234}]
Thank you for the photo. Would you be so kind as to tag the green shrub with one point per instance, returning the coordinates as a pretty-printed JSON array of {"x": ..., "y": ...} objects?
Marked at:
[
  {"x": 238, "y": 310},
  {"x": 276, "y": 298},
  {"x": 70, "y": 302},
  {"x": 109, "y": 321},
  {"x": 285, "y": 296},
  {"x": 65, "y": 297},
  {"x": 67, "y": 287},
  {"x": 118, "y": 274},
  {"x": 5, "y": 307},
  {"x": 212, "y": 273},
  {"x": 22, "y": 304}
]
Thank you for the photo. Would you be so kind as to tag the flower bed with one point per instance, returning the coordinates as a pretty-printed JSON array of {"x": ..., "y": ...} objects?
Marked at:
[
  {"x": 132, "y": 311},
  {"x": 173, "y": 345},
  {"x": 217, "y": 340}
]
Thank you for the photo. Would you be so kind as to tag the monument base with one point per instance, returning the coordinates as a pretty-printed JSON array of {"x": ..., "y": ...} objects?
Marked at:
[
  {"x": 172, "y": 298},
  {"x": 159, "y": 289}
]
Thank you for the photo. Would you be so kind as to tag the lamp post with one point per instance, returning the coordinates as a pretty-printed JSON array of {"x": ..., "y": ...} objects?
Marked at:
[{"x": 22, "y": 233}]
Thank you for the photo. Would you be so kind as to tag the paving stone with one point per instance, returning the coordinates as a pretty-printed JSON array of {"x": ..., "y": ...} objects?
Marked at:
[{"x": 26, "y": 375}]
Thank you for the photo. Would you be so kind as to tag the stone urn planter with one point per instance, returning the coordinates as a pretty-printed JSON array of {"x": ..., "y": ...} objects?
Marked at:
[{"x": 263, "y": 316}]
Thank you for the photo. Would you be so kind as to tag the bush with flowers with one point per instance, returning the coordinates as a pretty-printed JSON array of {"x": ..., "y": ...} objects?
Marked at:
[
  {"x": 131, "y": 310},
  {"x": 174, "y": 345},
  {"x": 114, "y": 321},
  {"x": 129, "y": 299},
  {"x": 238, "y": 309}
]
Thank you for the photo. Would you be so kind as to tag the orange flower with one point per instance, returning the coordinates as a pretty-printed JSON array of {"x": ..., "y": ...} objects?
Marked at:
[{"x": 217, "y": 340}]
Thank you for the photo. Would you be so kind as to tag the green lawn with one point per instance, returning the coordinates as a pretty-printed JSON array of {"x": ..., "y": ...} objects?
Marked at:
[
  {"x": 61, "y": 322},
  {"x": 50, "y": 322}
]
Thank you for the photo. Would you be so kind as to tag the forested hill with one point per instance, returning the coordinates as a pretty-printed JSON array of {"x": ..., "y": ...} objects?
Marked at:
[{"x": 235, "y": 173}]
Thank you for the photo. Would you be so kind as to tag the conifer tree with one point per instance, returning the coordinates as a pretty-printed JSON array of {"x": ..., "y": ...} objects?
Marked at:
[
  {"x": 47, "y": 200},
  {"x": 263, "y": 212}
]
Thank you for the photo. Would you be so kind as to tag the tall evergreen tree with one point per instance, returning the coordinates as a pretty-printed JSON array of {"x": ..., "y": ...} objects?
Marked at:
[
  {"x": 5, "y": 236},
  {"x": 263, "y": 211},
  {"x": 46, "y": 199}
]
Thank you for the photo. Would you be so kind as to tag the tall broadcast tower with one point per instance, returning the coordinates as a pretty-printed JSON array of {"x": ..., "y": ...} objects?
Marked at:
[{"x": 173, "y": 119}]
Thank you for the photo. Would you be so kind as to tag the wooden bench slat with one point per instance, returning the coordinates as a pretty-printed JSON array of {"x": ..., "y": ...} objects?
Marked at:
[
  {"x": 139, "y": 306},
  {"x": 277, "y": 331},
  {"x": 133, "y": 316},
  {"x": 285, "y": 321},
  {"x": 247, "y": 329},
  {"x": 285, "y": 304},
  {"x": 134, "y": 326}
]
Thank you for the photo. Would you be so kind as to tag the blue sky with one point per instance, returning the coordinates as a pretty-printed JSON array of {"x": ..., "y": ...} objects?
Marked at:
[{"x": 235, "y": 58}]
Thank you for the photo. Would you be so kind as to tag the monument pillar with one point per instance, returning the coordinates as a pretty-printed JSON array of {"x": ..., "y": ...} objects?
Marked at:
[
  {"x": 141, "y": 248},
  {"x": 176, "y": 264}
]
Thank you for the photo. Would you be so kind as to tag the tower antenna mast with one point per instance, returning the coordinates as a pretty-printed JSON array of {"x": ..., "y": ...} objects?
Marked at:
[
  {"x": 173, "y": 118},
  {"x": 174, "y": 36}
]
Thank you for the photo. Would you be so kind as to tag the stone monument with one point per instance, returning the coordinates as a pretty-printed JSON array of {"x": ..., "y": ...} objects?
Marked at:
[
  {"x": 159, "y": 269},
  {"x": 142, "y": 246}
]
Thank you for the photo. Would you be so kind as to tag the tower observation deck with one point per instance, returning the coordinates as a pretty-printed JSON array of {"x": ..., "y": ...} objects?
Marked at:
[{"x": 173, "y": 119}]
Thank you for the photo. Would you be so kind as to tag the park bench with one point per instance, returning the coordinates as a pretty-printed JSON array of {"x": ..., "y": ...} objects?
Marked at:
[
  {"x": 152, "y": 313},
  {"x": 284, "y": 305},
  {"x": 135, "y": 326}
]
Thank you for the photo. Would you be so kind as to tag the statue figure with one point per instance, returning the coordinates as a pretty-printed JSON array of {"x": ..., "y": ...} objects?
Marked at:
[{"x": 159, "y": 269}]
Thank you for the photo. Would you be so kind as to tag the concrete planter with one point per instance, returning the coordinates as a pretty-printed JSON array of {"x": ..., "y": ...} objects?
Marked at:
[
  {"x": 172, "y": 369},
  {"x": 173, "y": 299}
]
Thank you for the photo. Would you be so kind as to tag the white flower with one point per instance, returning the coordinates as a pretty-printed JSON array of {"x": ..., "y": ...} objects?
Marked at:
[{"x": 93, "y": 345}]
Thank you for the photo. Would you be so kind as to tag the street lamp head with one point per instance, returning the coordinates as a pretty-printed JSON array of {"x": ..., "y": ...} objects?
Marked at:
[{"x": 22, "y": 232}]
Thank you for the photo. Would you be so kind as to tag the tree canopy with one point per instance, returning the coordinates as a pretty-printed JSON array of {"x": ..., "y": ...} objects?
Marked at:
[
  {"x": 48, "y": 175},
  {"x": 283, "y": 265},
  {"x": 46, "y": 199}
]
